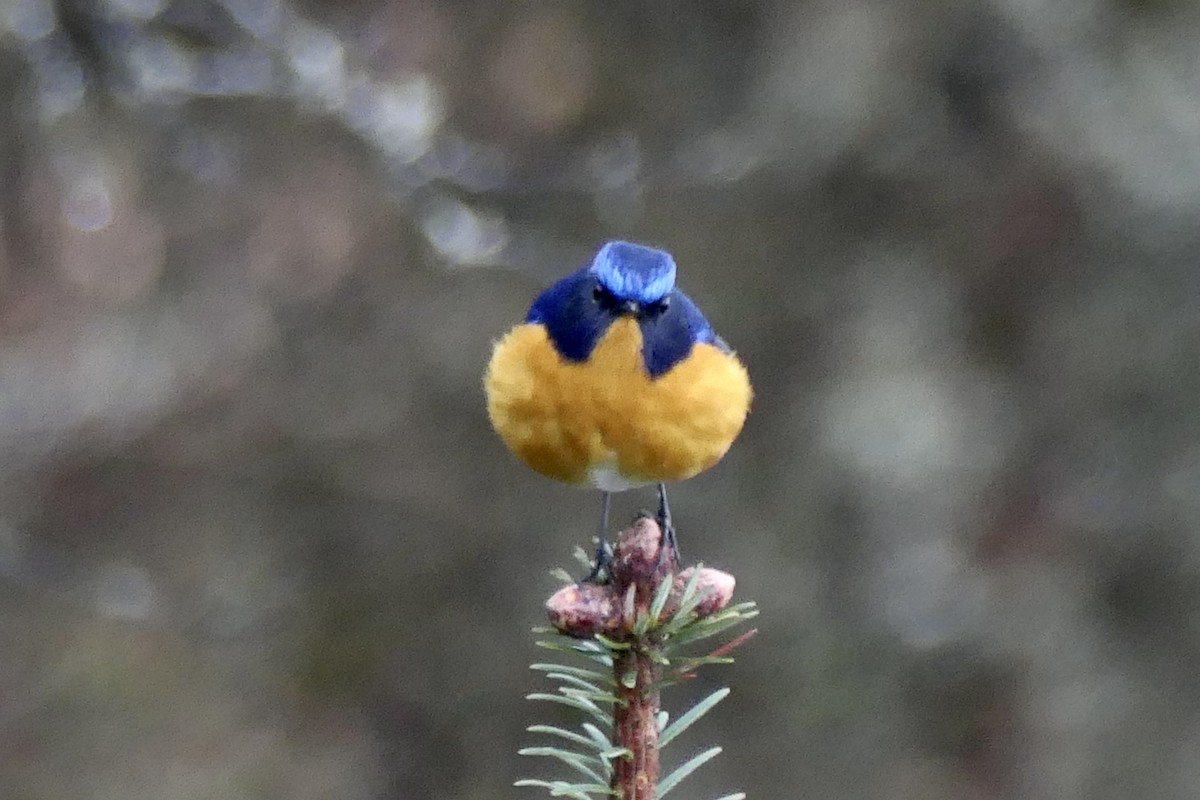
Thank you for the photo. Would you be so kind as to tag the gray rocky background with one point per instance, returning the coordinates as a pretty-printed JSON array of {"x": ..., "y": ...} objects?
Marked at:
[{"x": 258, "y": 541}]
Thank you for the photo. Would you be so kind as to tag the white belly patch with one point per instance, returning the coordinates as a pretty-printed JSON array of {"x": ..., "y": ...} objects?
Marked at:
[{"x": 606, "y": 478}]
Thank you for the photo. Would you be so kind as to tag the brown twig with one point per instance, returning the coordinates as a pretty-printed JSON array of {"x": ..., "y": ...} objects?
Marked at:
[
  {"x": 614, "y": 610},
  {"x": 635, "y": 727},
  {"x": 636, "y": 570}
]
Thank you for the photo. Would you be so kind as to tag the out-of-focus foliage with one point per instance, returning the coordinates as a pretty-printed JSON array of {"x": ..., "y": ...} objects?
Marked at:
[{"x": 257, "y": 540}]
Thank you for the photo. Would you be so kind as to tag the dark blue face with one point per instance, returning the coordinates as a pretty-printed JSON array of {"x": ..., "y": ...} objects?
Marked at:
[{"x": 578, "y": 309}]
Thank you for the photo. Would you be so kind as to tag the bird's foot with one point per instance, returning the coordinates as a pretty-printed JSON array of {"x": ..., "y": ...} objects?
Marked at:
[
  {"x": 668, "y": 550},
  {"x": 601, "y": 571},
  {"x": 669, "y": 546}
]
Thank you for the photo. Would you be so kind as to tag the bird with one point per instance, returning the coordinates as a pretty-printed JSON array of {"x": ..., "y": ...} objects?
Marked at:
[{"x": 615, "y": 380}]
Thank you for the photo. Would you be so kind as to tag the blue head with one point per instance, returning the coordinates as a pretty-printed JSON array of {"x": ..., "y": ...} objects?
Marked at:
[
  {"x": 634, "y": 273},
  {"x": 623, "y": 280}
]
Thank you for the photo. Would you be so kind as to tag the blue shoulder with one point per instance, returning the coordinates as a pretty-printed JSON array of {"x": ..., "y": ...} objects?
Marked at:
[
  {"x": 668, "y": 337},
  {"x": 575, "y": 324},
  {"x": 572, "y": 321}
]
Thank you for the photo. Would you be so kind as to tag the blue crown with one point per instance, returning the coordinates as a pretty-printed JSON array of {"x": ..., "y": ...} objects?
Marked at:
[{"x": 633, "y": 272}]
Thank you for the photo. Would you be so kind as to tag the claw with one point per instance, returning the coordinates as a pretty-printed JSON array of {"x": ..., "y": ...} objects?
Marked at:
[
  {"x": 603, "y": 551},
  {"x": 670, "y": 543}
]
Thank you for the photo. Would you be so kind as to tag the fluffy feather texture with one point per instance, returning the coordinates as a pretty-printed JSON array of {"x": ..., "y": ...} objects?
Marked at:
[
  {"x": 634, "y": 272},
  {"x": 588, "y": 421}
]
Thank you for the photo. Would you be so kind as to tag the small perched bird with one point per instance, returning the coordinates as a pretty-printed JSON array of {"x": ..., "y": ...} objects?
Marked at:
[{"x": 616, "y": 380}]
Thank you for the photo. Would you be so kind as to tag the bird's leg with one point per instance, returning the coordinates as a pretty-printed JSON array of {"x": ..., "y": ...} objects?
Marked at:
[
  {"x": 670, "y": 544},
  {"x": 603, "y": 556}
]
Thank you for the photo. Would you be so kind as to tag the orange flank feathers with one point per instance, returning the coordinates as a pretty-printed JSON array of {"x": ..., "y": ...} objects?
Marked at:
[{"x": 604, "y": 421}]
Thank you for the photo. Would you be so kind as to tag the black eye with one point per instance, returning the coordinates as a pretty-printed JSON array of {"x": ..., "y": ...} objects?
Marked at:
[
  {"x": 658, "y": 306},
  {"x": 598, "y": 293}
]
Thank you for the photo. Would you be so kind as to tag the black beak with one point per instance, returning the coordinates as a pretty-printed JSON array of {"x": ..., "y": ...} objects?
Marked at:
[{"x": 629, "y": 307}]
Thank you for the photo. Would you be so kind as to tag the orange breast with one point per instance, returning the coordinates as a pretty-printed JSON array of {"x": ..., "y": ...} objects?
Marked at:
[{"x": 563, "y": 419}]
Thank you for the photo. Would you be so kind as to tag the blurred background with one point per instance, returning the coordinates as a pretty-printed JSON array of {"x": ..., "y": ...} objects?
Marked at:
[{"x": 257, "y": 539}]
